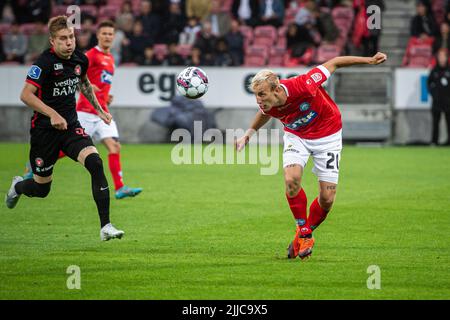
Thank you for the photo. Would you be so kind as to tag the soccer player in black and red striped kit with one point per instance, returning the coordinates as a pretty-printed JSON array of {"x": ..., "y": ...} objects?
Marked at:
[{"x": 50, "y": 90}]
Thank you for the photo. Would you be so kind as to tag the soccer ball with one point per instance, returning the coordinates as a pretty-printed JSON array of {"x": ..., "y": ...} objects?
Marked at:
[{"x": 192, "y": 82}]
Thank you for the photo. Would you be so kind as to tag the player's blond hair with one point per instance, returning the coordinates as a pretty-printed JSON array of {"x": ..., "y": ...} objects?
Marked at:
[
  {"x": 264, "y": 75},
  {"x": 57, "y": 23}
]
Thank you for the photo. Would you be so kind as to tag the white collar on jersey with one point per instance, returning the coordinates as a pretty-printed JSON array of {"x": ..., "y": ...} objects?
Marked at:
[{"x": 285, "y": 89}]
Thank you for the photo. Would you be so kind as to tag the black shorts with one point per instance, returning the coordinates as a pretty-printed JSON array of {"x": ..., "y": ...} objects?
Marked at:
[{"x": 46, "y": 144}]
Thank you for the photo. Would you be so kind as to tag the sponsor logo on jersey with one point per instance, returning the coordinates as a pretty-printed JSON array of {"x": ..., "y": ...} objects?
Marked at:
[
  {"x": 34, "y": 72},
  {"x": 291, "y": 150},
  {"x": 301, "y": 222},
  {"x": 66, "y": 87},
  {"x": 303, "y": 121},
  {"x": 77, "y": 69},
  {"x": 316, "y": 77},
  {"x": 106, "y": 77},
  {"x": 304, "y": 106},
  {"x": 44, "y": 169},
  {"x": 58, "y": 66},
  {"x": 39, "y": 162}
]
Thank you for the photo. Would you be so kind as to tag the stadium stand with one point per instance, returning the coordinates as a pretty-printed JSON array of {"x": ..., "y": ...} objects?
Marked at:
[{"x": 396, "y": 21}]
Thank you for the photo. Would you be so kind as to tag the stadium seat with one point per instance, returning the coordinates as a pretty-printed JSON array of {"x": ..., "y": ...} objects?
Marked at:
[
  {"x": 4, "y": 28},
  {"x": 184, "y": 50},
  {"x": 160, "y": 50},
  {"x": 326, "y": 52},
  {"x": 89, "y": 9},
  {"x": 247, "y": 33},
  {"x": 277, "y": 56},
  {"x": 418, "y": 52},
  {"x": 59, "y": 10},
  {"x": 264, "y": 35},
  {"x": 281, "y": 42},
  {"x": 289, "y": 15},
  {"x": 27, "y": 28},
  {"x": 108, "y": 12},
  {"x": 255, "y": 56},
  {"x": 282, "y": 31}
]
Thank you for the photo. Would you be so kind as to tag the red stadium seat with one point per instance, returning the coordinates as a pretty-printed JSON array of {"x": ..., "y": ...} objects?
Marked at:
[
  {"x": 264, "y": 35},
  {"x": 27, "y": 28},
  {"x": 281, "y": 42},
  {"x": 277, "y": 56},
  {"x": 4, "y": 28},
  {"x": 289, "y": 15},
  {"x": 108, "y": 12},
  {"x": 160, "y": 50},
  {"x": 255, "y": 56},
  {"x": 247, "y": 32},
  {"x": 89, "y": 9},
  {"x": 59, "y": 10},
  {"x": 184, "y": 50},
  {"x": 282, "y": 31},
  {"x": 326, "y": 52},
  {"x": 418, "y": 52}
]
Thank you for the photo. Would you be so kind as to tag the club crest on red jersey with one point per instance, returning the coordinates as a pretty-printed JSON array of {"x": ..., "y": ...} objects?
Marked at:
[
  {"x": 316, "y": 77},
  {"x": 304, "y": 106}
]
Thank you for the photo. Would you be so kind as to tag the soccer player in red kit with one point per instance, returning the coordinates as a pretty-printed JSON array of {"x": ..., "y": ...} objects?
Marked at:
[
  {"x": 313, "y": 127},
  {"x": 100, "y": 73}
]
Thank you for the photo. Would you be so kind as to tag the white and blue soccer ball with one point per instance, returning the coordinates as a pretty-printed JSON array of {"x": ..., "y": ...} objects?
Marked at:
[{"x": 192, "y": 82}]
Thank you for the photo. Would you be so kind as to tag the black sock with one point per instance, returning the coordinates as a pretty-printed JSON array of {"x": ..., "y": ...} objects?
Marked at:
[
  {"x": 31, "y": 188},
  {"x": 100, "y": 189}
]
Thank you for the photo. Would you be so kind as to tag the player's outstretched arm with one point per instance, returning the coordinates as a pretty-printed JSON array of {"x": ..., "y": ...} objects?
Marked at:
[
  {"x": 259, "y": 120},
  {"x": 28, "y": 96},
  {"x": 347, "y": 61},
  {"x": 87, "y": 90}
]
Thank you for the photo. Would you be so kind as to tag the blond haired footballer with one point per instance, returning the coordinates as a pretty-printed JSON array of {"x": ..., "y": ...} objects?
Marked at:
[{"x": 313, "y": 127}]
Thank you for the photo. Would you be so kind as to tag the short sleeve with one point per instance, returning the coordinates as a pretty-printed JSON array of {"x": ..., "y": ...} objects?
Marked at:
[
  {"x": 38, "y": 72},
  {"x": 85, "y": 64},
  {"x": 309, "y": 83}
]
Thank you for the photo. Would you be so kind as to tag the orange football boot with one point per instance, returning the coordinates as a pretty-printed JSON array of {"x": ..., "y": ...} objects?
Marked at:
[{"x": 306, "y": 246}]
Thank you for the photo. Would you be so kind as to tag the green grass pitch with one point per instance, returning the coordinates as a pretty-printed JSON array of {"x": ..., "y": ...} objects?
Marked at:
[{"x": 221, "y": 231}]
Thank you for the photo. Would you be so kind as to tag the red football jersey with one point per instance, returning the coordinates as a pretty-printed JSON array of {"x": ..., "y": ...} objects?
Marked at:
[
  {"x": 309, "y": 112},
  {"x": 100, "y": 73}
]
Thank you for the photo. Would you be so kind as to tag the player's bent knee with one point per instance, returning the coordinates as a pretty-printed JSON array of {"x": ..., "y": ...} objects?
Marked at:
[
  {"x": 82, "y": 156},
  {"x": 326, "y": 201},
  {"x": 42, "y": 189},
  {"x": 93, "y": 163}
]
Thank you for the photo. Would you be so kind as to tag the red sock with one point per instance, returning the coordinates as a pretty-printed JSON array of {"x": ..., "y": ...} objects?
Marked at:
[
  {"x": 316, "y": 214},
  {"x": 116, "y": 169},
  {"x": 61, "y": 154},
  {"x": 298, "y": 207}
]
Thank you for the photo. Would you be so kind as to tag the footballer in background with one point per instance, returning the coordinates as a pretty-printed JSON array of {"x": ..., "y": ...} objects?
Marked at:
[{"x": 100, "y": 73}]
